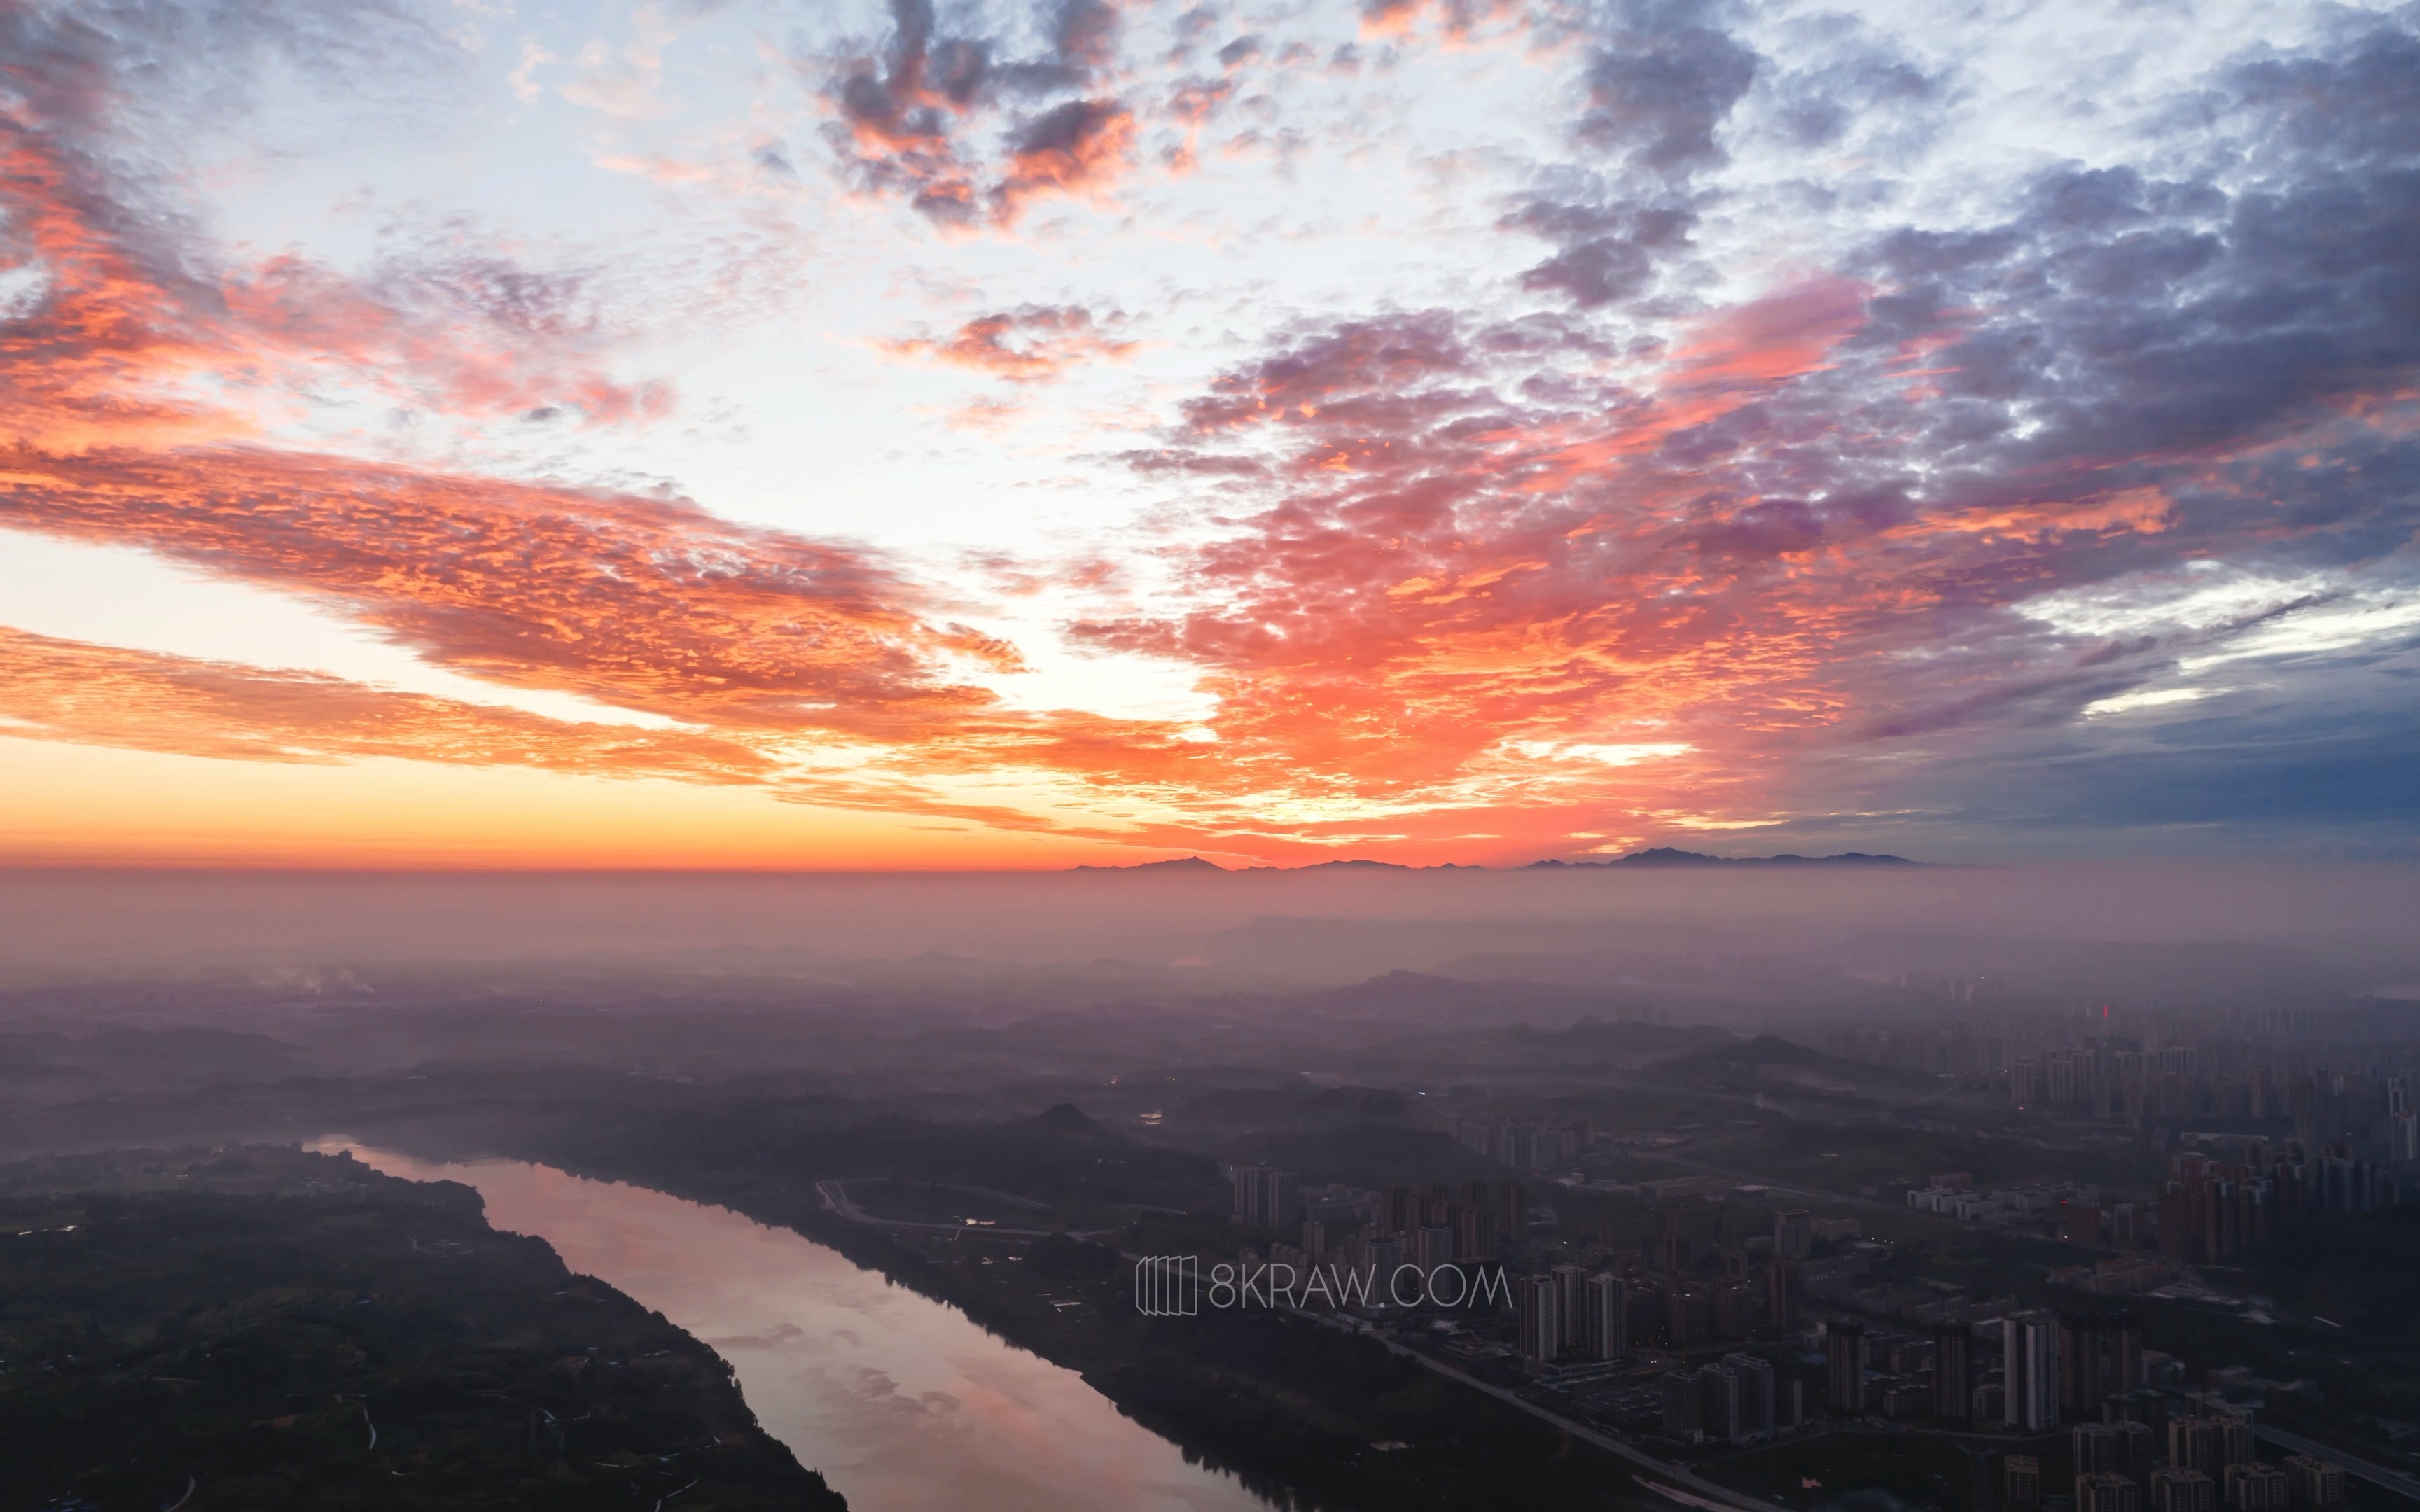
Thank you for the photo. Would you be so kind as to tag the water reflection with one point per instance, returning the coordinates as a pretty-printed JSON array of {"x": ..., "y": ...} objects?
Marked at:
[{"x": 901, "y": 1402}]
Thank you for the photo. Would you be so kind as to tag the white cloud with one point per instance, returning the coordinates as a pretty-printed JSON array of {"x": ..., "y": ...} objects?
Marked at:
[
  {"x": 2151, "y": 699},
  {"x": 2202, "y": 595},
  {"x": 2336, "y": 625},
  {"x": 1548, "y": 751}
]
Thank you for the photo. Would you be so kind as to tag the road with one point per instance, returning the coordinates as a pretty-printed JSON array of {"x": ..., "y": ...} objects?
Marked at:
[
  {"x": 835, "y": 1198},
  {"x": 1812, "y": 1193},
  {"x": 1706, "y": 1493},
  {"x": 2393, "y": 1480}
]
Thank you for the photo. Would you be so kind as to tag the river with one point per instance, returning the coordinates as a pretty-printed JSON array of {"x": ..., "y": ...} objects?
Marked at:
[{"x": 900, "y": 1401}]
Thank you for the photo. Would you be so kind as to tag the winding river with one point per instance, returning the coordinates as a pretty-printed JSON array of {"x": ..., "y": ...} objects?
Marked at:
[{"x": 904, "y": 1404}]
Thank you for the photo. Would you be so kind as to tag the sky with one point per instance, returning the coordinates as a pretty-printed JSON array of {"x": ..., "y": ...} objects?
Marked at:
[{"x": 843, "y": 436}]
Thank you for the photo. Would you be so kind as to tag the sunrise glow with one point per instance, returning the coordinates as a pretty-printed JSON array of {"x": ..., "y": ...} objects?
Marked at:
[{"x": 1019, "y": 436}]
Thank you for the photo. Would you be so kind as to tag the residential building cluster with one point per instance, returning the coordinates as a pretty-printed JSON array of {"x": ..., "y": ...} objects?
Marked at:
[
  {"x": 2324, "y": 1080},
  {"x": 1525, "y": 1145}
]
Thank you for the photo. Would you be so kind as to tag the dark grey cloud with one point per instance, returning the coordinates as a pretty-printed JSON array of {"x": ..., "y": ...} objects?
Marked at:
[
  {"x": 1659, "y": 82},
  {"x": 1817, "y": 106},
  {"x": 1241, "y": 50},
  {"x": 2329, "y": 760},
  {"x": 2116, "y": 313},
  {"x": 200, "y": 60},
  {"x": 1609, "y": 254},
  {"x": 122, "y": 93},
  {"x": 2222, "y": 341},
  {"x": 1195, "y": 25},
  {"x": 1660, "y": 87},
  {"x": 930, "y": 114}
]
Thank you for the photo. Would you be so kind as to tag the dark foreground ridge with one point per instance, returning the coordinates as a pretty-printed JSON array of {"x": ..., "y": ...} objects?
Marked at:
[{"x": 265, "y": 1328}]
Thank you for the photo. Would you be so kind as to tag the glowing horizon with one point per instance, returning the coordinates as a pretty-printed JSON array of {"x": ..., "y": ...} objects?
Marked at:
[{"x": 1024, "y": 434}]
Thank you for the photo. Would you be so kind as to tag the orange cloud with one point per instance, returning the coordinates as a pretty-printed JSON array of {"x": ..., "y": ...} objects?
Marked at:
[
  {"x": 1032, "y": 344},
  {"x": 1469, "y": 578},
  {"x": 69, "y": 691},
  {"x": 910, "y": 118},
  {"x": 1081, "y": 148},
  {"x": 1771, "y": 340},
  {"x": 124, "y": 350},
  {"x": 464, "y": 334},
  {"x": 1431, "y": 574},
  {"x": 2147, "y": 510},
  {"x": 646, "y": 603}
]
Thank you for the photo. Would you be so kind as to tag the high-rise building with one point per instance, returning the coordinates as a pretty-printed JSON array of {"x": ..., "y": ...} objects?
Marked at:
[
  {"x": 2099, "y": 1450},
  {"x": 1756, "y": 1395},
  {"x": 2137, "y": 1449},
  {"x": 2316, "y": 1482},
  {"x": 1541, "y": 1325},
  {"x": 1718, "y": 1403},
  {"x": 2082, "y": 1345},
  {"x": 2029, "y": 1346},
  {"x": 2235, "y": 1445},
  {"x": 1685, "y": 1313},
  {"x": 1433, "y": 1246},
  {"x": 1794, "y": 1234},
  {"x": 1285, "y": 1199},
  {"x": 1511, "y": 1206},
  {"x": 1683, "y": 1404},
  {"x": 1672, "y": 1248},
  {"x": 2024, "y": 1082},
  {"x": 2149, "y": 1408},
  {"x": 1386, "y": 1258},
  {"x": 1571, "y": 1304},
  {"x": 1953, "y": 1372},
  {"x": 1608, "y": 1317},
  {"x": 1732, "y": 1305},
  {"x": 1844, "y": 1367},
  {"x": 2122, "y": 1361},
  {"x": 1476, "y": 1240},
  {"x": 2256, "y": 1487},
  {"x": 1264, "y": 1198},
  {"x": 2177, "y": 1490},
  {"x": 2021, "y": 1480},
  {"x": 2061, "y": 1084},
  {"x": 1782, "y": 1291},
  {"x": 2195, "y": 1443},
  {"x": 2108, "y": 1493}
]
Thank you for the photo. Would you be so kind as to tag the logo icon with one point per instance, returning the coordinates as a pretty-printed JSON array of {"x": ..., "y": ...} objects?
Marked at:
[{"x": 1168, "y": 1286}]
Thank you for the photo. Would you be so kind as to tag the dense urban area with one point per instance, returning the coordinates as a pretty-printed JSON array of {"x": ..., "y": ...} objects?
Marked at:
[{"x": 1680, "y": 1226}]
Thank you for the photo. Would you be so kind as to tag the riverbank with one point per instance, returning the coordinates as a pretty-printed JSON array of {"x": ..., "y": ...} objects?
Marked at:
[
  {"x": 263, "y": 1327},
  {"x": 1304, "y": 1415}
]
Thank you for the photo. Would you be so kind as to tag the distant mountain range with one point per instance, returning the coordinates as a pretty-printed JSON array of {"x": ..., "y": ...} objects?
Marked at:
[
  {"x": 1660, "y": 856},
  {"x": 1666, "y": 856}
]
